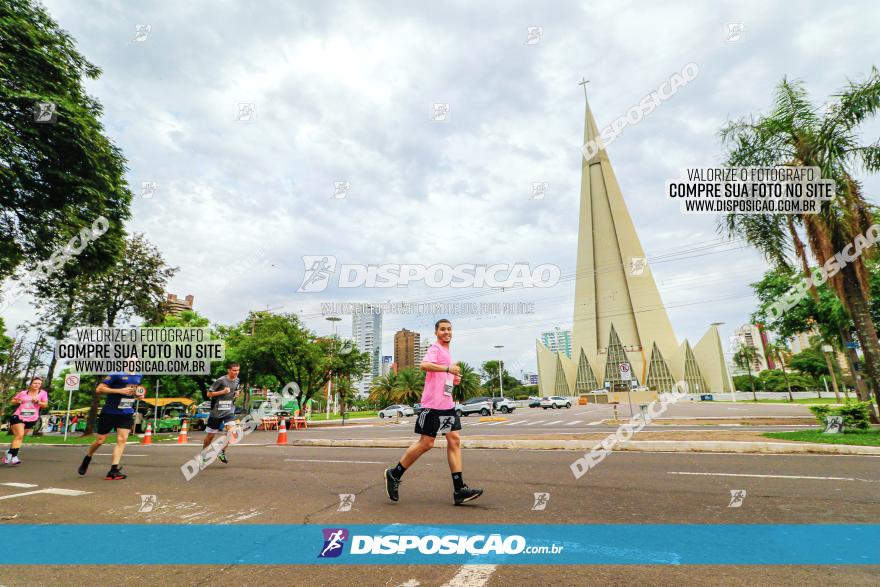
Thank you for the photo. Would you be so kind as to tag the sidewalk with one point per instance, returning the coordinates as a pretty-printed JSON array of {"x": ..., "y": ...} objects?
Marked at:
[{"x": 730, "y": 442}]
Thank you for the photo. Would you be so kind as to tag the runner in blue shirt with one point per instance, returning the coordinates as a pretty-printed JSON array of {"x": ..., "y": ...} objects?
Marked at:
[{"x": 122, "y": 389}]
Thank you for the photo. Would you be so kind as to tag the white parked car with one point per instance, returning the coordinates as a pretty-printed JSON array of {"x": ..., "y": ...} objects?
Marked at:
[
  {"x": 395, "y": 410},
  {"x": 555, "y": 401}
]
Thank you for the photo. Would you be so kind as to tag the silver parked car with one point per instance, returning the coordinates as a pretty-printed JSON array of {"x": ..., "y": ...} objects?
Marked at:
[
  {"x": 475, "y": 405},
  {"x": 395, "y": 410}
]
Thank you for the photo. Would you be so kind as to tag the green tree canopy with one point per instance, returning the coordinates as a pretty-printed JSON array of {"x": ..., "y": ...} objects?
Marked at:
[{"x": 56, "y": 177}]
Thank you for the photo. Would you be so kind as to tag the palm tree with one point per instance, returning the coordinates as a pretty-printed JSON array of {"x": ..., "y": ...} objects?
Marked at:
[
  {"x": 744, "y": 357},
  {"x": 408, "y": 386},
  {"x": 796, "y": 133},
  {"x": 776, "y": 351},
  {"x": 382, "y": 389},
  {"x": 469, "y": 386}
]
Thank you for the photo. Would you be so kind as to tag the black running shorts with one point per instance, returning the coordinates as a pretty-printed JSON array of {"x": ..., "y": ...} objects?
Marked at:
[
  {"x": 109, "y": 422},
  {"x": 433, "y": 422},
  {"x": 16, "y": 420}
]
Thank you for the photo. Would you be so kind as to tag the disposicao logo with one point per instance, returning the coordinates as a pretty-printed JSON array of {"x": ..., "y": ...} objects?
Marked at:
[{"x": 334, "y": 541}]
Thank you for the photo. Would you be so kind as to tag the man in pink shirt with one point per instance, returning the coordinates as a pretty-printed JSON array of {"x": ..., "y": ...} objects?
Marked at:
[
  {"x": 30, "y": 401},
  {"x": 437, "y": 416}
]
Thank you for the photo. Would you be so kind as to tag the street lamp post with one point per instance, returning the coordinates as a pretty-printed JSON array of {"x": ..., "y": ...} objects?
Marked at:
[
  {"x": 333, "y": 320},
  {"x": 500, "y": 371},
  {"x": 827, "y": 349}
]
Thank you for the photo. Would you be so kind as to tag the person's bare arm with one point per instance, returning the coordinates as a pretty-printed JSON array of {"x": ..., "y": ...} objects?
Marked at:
[
  {"x": 426, "y": 366},
  {"x": 104, "y": 388},
  {"x": 223, "y": 391}
]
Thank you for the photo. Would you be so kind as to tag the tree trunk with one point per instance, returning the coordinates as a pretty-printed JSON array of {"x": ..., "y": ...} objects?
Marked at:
[
  {"x": 787, "y": 384},
  {"x": 867, "y": 334},
  {"x": 862, "y": 391},
  {"x": 752, "y": 381}
]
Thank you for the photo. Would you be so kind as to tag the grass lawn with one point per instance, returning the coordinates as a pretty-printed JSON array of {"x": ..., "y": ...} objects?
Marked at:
[
  {"x": 77, "y": 439},
  {"x": 348, "y": 415},
  {"x": 869, "y": 437}
]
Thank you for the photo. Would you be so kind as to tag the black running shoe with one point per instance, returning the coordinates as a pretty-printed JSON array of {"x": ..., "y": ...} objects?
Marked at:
[
  {"x": 115, "y": 475},
  {"x": 466, "y": 494},
  {"x": 391, "y": 485},
  {"x": 222, "y": 457},
  {"x": 85, "y": 465}
]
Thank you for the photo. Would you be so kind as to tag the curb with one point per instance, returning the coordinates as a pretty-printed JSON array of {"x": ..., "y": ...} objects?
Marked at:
[{"x": 632, "y": 445}]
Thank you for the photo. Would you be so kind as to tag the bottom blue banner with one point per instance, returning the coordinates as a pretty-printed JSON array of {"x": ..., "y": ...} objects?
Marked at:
[{"x": 376, "y": 544}]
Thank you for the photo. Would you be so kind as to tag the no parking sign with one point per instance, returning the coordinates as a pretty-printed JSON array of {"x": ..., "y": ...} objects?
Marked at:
[
  {"x": 625, "y": 372},
  {"x": 71, "y": 382}
]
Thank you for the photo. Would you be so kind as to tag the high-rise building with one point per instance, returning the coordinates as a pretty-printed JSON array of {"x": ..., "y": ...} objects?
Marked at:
[
  {"x": 619, "y": 316},
  {"x": 174, "y": 305},
  {"x": 424, "y": 345},
  {"x": 557, "y": 340},
  {"x": 406, "y": 347},
  {"x": 750, "y": 335},
  {"x": 366, "y": 332},
  {"x": 387, "y": 362},
  {"x": 529, "y": 378}
]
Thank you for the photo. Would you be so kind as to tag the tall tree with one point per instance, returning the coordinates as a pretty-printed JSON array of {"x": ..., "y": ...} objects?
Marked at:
[
  {"x": 469, "y": 385},
  {"x": 282, "y": 347},
  {"x": 134, "y": 285},
  {"x": 58, "y": 170},
  {"x": 743, "y": 358},
  {"x": 776, "y": 351},
  {"x": 131, "y": 285},
  {"x": 797, "y": 133}
]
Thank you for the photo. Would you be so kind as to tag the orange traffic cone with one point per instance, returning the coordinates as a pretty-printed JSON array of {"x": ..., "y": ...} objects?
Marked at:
[
  {"x": 148, "y": 435},
  {"x": 181, "y": 438},
  {"x": 282, "y": 433}
]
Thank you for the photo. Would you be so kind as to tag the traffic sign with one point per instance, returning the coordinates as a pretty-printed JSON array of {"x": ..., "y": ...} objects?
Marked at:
[
  {"x": 625, "y": 372},
  {"x": 852, "y": 345},
  {"x": 71, "y": 382}
]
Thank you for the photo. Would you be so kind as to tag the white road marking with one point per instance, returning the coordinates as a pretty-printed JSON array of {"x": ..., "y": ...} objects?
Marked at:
[
  {"x": 22, "y": 485},
  {"x": 554, "y": 422},
  {"x": 471, "y": 576},
  {"x": 327, "y": 461},
  {"x": 573, "y": 423},
  {"x": 51, "y": 490},
  {"x": 774, "y": 476},
  {"x": 515, "y": 423},
  {"x": 533, "y": 423},
  {"x": 497, "y": 423},
  {"x": 244, "y": 517}
]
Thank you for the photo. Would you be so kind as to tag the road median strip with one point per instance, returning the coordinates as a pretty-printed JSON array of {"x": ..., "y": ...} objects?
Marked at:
[{"x": 632, "y": 445}]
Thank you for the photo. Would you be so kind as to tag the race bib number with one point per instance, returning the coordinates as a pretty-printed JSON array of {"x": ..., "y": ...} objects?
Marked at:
[
  {"x": 126, "y": 403},
  {"x": 28, "y": 413},
  {"x": 447, "y": 388},
  {"x": 446, "y": 423},
  {"x": 224, "y": 405}
]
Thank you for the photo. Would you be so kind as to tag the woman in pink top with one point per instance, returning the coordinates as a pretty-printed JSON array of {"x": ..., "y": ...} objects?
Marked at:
[{"x": 30, "y": 402}]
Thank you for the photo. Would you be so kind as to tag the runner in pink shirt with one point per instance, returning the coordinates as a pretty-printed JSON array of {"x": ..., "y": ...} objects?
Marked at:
[
  {"x": 437, "y": 416},
  {"x": 30, "y": 402}
]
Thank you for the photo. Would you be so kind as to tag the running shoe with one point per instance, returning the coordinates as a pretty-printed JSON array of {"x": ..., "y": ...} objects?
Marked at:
[
  {"x": 392, "y": 483},
  {"x": 115, "y": 475},
  {"x": 222, "y": 457},
  {"x": 7, "y": 457},
  {"x": 466, "y": 494},
  {"x": 85, "y": 465},
  {"x": 14, "y": 461}
]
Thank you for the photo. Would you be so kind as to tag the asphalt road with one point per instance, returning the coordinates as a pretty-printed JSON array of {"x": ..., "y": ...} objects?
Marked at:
[
  {"x": 558, "y": 421},
  {"x": 298, "y": 485}
]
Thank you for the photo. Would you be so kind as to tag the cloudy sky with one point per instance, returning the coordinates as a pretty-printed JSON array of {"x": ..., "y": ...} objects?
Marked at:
[{"x": 344, "y": 92}]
